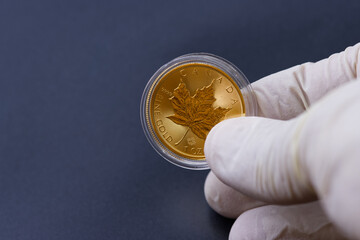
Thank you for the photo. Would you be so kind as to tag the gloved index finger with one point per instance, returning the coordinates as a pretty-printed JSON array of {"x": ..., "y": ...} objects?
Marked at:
[{"x": 286, "y": 94}]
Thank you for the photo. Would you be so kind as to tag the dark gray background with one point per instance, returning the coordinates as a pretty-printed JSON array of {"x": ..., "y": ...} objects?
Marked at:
[{"x": 74, "y": 162}]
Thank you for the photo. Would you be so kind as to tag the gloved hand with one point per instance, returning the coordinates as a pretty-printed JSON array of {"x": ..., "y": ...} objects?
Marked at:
[{"x": 302, "y": 153}]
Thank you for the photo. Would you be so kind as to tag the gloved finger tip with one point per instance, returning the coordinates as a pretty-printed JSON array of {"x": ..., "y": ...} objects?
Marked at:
[
  {"x": 219, "y": 145},
  {"x": 210, "y": 141},
  {"x": 226, "y": 200},
  {"x": 217, "y": 132}
]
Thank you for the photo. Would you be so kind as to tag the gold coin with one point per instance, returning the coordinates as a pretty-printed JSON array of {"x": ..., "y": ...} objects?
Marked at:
[{"x": 186, "y": 102}]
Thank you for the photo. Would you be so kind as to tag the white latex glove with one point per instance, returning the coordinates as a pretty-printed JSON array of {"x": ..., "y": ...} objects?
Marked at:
[{"x": 304, "y": 146}]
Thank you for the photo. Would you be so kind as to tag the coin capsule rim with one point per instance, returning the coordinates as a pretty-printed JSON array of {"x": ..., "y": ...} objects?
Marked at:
[{"x": 224, "y": 67}]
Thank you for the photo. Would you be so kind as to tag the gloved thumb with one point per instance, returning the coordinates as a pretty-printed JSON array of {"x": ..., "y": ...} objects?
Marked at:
[{"x": 257, "y": 156}]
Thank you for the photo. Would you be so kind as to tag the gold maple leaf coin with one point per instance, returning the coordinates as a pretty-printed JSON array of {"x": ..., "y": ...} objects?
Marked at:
[{"x": 184, "y": 103}]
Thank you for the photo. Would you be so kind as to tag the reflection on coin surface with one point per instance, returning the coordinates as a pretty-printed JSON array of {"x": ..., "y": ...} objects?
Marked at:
[{"x": 186, "y": 102}]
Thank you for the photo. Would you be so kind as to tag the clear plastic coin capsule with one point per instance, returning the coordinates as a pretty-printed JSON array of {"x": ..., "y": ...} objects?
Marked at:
[{"x": 188, "y": 96}]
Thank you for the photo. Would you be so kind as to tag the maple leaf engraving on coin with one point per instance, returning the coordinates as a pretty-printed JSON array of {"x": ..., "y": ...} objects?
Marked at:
[{"x": 196, "y": 112}]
